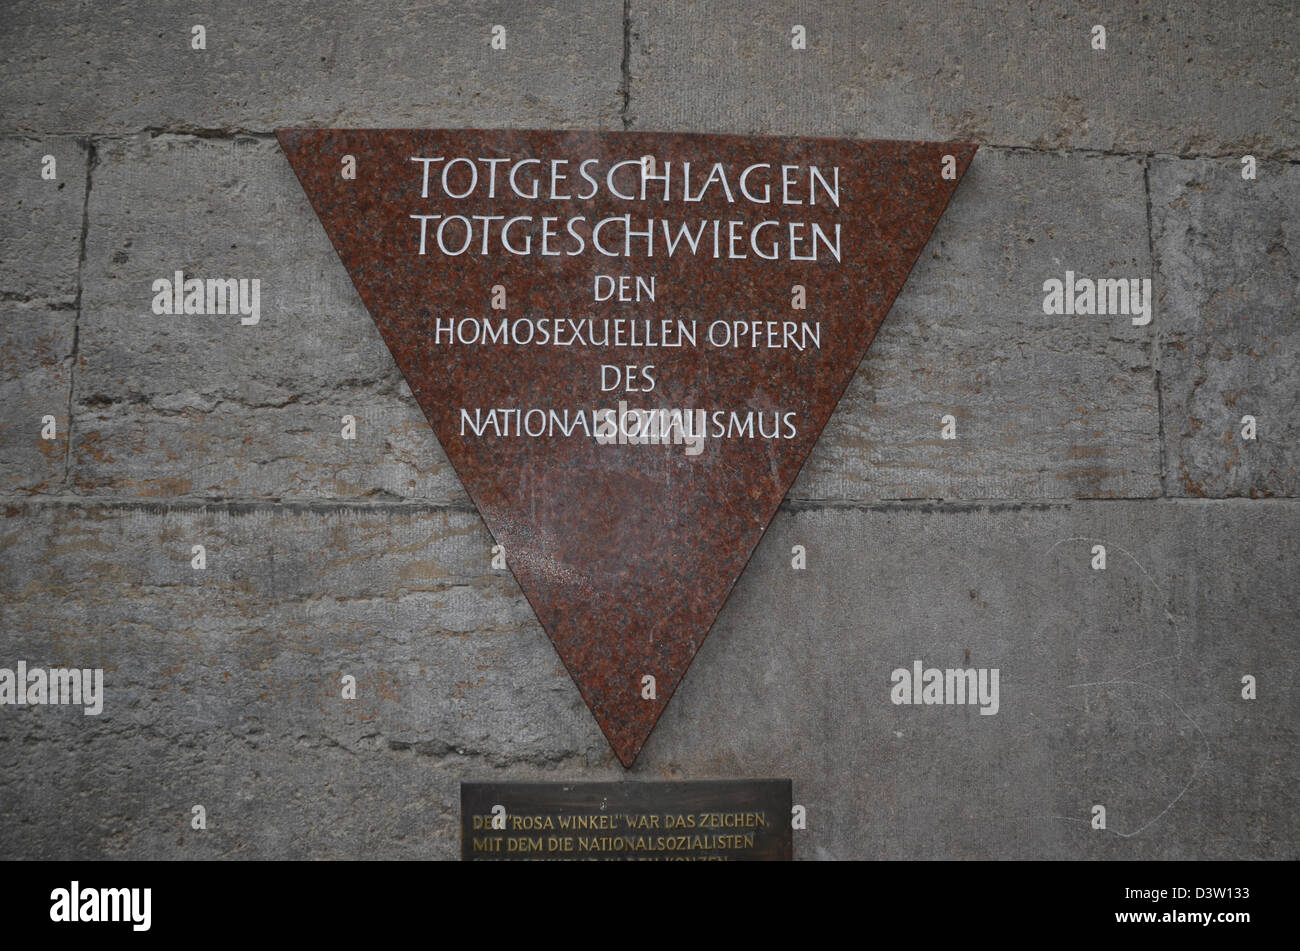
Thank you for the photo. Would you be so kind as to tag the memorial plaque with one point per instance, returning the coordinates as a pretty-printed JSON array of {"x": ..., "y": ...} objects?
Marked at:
[
  {"x": 724, "y": 820},
  {"x": 627, "y": 344}
]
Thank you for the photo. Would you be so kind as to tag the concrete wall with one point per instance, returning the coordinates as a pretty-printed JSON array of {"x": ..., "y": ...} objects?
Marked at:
[{"x": 1120, "y": 687}]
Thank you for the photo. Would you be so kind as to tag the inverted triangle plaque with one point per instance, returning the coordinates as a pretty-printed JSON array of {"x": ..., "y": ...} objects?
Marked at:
[{"x": 547, "y": 294}]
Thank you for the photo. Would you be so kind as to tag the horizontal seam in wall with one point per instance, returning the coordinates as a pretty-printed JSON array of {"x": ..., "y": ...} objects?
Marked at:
[
  {"x": 416, "y": 506},
  {"x": 269, "y": 135}
]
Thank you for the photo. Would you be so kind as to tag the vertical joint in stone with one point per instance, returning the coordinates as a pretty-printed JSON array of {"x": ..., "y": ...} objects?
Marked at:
[
  {"x": 1155, "y": 336},
  {"x": 92, "y": 159},
  {"x": 625, "y": 83}
]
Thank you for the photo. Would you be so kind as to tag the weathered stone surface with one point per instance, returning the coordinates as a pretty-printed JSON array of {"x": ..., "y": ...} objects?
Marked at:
[
  {"x": 131, "y": 795},
  {"x": 40, "y": 219},
  {"x": 403, "y": 599},
  {"x": 292, "y": 451},
  {"x": 1227, "y": 251},
  {"x": 40, "y": 249},
  {"x": 35, "y": 369},
  {"x": 1177, "y": 77},
  {"x": 202, "y": 405},
  {"x": 1046, "y": 406},
  {"x": 212, "y": 209},
  {"x": 1119, "y": 687},
  {"x": 795, "y": 679},
  {"x": 123, "y": 66}
]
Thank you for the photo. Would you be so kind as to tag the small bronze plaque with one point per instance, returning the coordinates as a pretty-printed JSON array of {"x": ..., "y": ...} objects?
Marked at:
[{"x": 726, "y": 820}]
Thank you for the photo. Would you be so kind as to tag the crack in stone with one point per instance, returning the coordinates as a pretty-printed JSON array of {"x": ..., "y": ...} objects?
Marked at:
[{"x": 92, "y": 159}]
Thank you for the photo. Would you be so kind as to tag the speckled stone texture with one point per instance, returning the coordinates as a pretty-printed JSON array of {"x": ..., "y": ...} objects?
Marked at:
[{"x": 627, "y": 552}]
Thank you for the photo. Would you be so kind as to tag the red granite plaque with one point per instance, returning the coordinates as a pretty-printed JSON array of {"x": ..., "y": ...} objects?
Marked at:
[{"x": 626, "y": 343}]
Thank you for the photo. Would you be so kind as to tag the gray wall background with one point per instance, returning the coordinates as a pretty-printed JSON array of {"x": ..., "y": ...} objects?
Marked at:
[{"x": 327, "y": 557}]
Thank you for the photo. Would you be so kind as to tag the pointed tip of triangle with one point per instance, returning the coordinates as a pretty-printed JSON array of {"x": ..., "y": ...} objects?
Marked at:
[
  {"x": 628, "y": 740},
  {"x": 626, "y": 752},
  {"x": 626, "y": 728},
  {"x": 625, "y": 551}
]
